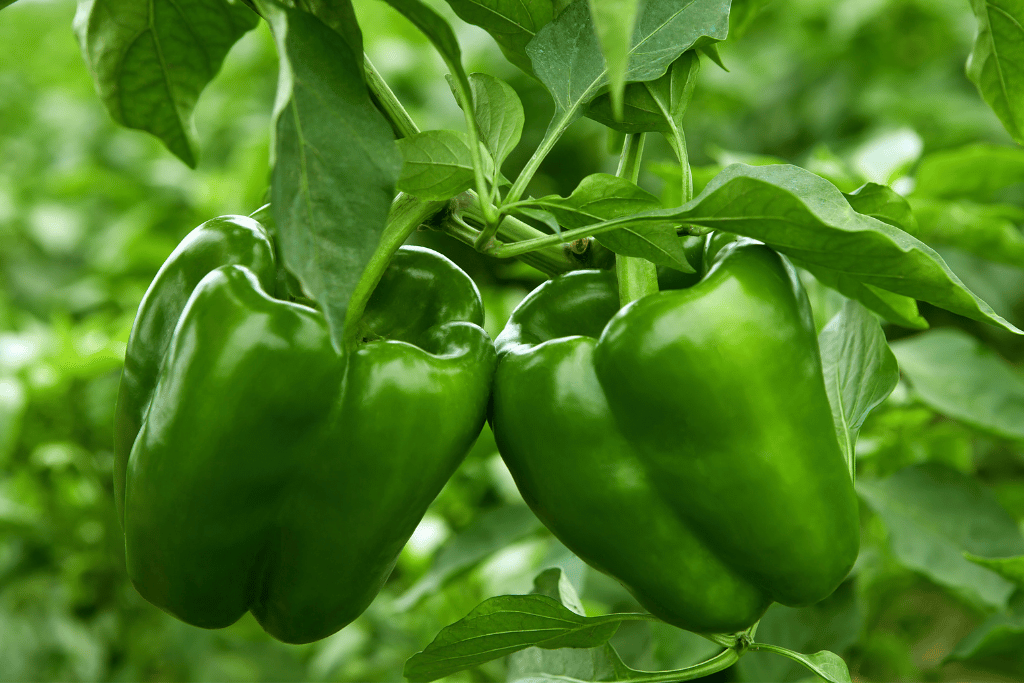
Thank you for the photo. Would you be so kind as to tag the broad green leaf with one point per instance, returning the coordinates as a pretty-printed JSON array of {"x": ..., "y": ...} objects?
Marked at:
[
  {"x": 503, "y": 625},
  {"x": 975, "y": 171},
  {"x": 512, "y": 23},
  {"x": 860, "y": 371},
  {"x": 614, "y": 21},
  {"x": 809, "y": 220},
  {"x": 566, "y": 54},
  {"x": 151, "y": 60},
  {"x": 336, "y": 161},
  {"x": 600, "y": 197},
  {"x": 986, "y": 230},
  {"x": 997, "y": 644},
  {"x": 1010, "y": 568},
  {"x": 885, "y": 204},
  {"x": 436, "y": 164},
  {"x": 958, "y": 376},
  {"x": 933, "y": 515},
  {"x": 487, "y": 534},
  {"x": 996, "y": 64},
  {"x": 499, "y": 114}
]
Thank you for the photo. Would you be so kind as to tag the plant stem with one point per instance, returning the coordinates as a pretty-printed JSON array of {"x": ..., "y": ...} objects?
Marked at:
[
  {"x": 637, "y": 277},
  {"x": 658, "y": 216},
  {"x": 551, "y": 136},
  {"x": 407, "y": 213},
  {"x": 385, "y": 100},
  {"x": 552, "y": 260}
]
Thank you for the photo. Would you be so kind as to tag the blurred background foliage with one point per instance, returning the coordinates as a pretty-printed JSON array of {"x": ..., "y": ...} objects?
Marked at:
[{"x": 855, "y": 90}]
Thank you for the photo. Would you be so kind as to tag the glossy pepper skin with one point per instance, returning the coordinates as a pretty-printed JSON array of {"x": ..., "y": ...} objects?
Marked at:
[
  {"x": 256, "y": 468},
  {"x": 684, "y": 445}
]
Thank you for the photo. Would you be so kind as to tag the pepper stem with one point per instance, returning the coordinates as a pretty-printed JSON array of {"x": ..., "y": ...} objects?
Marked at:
[
  {"x": 637, "y": 277},
  {"x": 407, "y": 213}
]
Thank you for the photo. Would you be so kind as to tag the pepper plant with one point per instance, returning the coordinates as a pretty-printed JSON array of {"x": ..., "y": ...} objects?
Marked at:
[{"x": 668, "y": 404}]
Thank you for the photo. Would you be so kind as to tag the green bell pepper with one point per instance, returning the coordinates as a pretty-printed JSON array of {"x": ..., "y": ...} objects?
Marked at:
[
  {"x": 258, "y": 469},
  {"x": 684, "y": 444}
]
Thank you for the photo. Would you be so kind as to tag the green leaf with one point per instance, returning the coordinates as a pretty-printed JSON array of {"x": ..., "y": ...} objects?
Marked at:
[
  {"x": 657, "y": 105},
  {"x": 602, "y": 196},
  {"x": 5, "y": 3},
  {"x": 151, "y": 60},
  {"x": 996, "y": 64},
  {"x": 499, "y": 114},
  {"x": 567, "y": 57},
  {"x": 436, "y": 164},
  {"x": 885, "y": 204},
  {"x": 614, "y": 21},
  {"x": 808, "y": 219},
  {"x": 488, "y": 533},
  {"x": 975, "y": 171},
  {"x": 997, "y": 644},
  {"x": 339, "y": 15},
  {"x": 833, "y": 624},
  {"x": 860, "y": 371},
  {"x": 828, "y": 665},
  {"x": 336, "y": 161},
  {"x": 503, "y": 625},
  {"x": 958, "y": 376},
  {"x": 933, "y": 515},
  {"x": 1010, "y": 568},
  {"x": 511, "y": 23}
]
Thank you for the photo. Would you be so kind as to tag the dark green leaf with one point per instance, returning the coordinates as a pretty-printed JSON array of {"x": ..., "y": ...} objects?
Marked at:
[
  {"x": 860, "y": 371},
  {"x": 336, "y": 161},
  {"x": 511, "y": 23},
  {"x": 933, "y": 515},
  {"x": 600, "y": 663},
  {"x": 974, "y": 172},
  {"x": 436, "y": 164},
  {"x": 151, "y": 60},
  {"x": 809, "y": 220},
  {"x": 503, "y": 625},
  {"x": 885, "y": 204},
  {"x": 996, "y": 64},
  {"x": 5, "y": 3},
  {"x": 567, "y": 58},
  {"x": 960, "y": 377}
]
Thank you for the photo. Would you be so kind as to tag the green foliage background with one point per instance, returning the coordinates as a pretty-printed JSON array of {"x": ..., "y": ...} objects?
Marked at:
[{"x": 855, "y": 90}]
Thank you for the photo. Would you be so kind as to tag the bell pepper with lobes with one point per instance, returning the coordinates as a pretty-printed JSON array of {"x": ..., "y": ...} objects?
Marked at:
[
  {"x": 258, "y": 469},
  {"x": 684, "y": 445}
]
